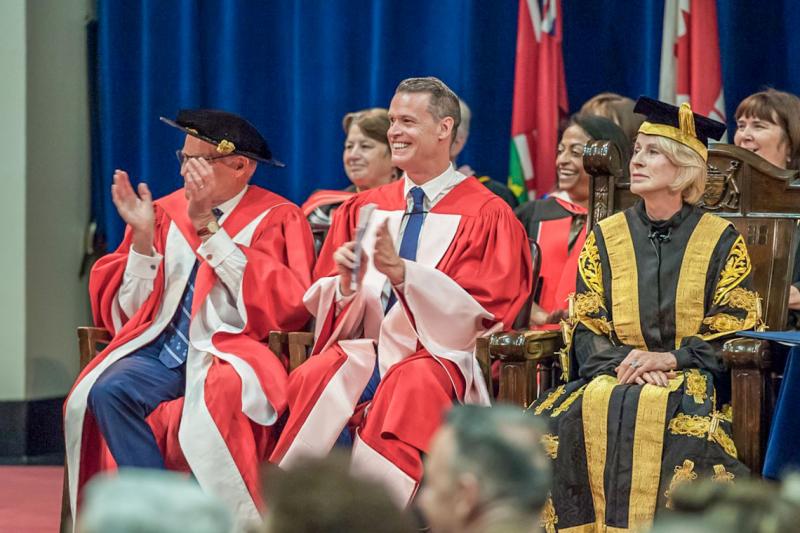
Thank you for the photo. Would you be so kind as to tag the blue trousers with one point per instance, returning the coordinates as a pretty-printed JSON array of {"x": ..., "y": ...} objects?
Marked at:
[{"x": 124, "y": 395}]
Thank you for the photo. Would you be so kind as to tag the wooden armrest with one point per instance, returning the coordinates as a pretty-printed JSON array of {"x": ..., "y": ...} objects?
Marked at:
[
  {"x": 526, "y": 363},
  {"x": 300, "y": 344},
  {"x": 88, "y": 339},
  {"x": 750, "y": 361},
  {"x": 520, "y": 346},
  {"x": 743, "y": 352}
]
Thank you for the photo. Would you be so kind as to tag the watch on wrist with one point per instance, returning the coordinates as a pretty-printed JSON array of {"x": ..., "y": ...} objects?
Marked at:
[{"x": 209, "y": 229}]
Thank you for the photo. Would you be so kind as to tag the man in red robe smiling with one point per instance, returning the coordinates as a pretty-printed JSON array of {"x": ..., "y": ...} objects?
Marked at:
[
  {"x": 445, "y": 261},
  {"x": 200, "y": 279}
]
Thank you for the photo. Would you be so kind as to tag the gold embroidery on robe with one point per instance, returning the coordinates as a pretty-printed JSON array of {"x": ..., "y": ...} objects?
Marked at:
[
  {"x": 595, "y": 432},
  {"x": 549, "y": 519},
  {"x": 691, "y": 289},
  {"x": 569, "y": 401},
  {"x": 588, "y": 303},
  {"x": 589, "y": 266},
  {"x": 741, "y": 298},
  {"x": 726, "y": 413},
  {"x": 721, "y": 475},
  {"x": 683, "y": 474},
  {"x": 737, "y": 267},
  {"x": 550, "y": 400},
  {"x": 724, "y": 323},
  {"x": 550, "y": 445},
  {"x": 696, "y": 385},
  {"x": 703, "y": 427}
]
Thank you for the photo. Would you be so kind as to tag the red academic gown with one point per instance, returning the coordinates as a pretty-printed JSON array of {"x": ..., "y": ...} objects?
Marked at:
[
  {"x": 548, "y": 222},
  {"x": 235, "y": 387},
  {"x": 471, "y": 277}
]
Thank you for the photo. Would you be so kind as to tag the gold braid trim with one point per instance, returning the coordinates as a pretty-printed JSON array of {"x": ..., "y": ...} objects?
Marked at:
[
  {"x": 721, "y": 475},
  {"x": 691, "y": 288},
  {"x": 550, "y": 400},
  {"x": 549, "y": 518},
  {"x": 648, "y": 445},
  {"x": 624, "y": 280},
  {"x": 696, "y": 385},
  {"x": 737, "y": 268},
  {"x": 741, "y": 298},
  {"x": 550, "y": 444},
  {"x": 569, "y": 401},
  {"x": 726, "y": 413},
  {"x": 595, "y": 434},
  {"x": 684, "y": 473},
  {"x": 588, "y": 303},
  {"x": 703, "y": 427}
]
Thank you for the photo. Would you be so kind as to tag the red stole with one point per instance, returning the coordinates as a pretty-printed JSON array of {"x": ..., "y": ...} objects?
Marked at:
[{"x": 559, "y": 266}]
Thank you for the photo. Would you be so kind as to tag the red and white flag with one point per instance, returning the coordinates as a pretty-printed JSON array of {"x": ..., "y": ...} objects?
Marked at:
[
  {"x": 691, "y": 70},
  {"x": 540, "y": 98}
]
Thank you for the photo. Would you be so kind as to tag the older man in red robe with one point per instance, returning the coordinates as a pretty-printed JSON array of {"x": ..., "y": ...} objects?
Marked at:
[
  {"x": 444, "y": 262},
  {"x": 200, "y": 279}
]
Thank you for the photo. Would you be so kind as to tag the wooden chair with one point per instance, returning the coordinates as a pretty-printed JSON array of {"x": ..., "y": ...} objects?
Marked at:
[{"x": 763, "y": 202}]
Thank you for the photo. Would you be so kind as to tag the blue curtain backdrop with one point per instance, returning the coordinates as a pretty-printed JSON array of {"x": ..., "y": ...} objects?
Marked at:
[{"x": 295, "y": 67}]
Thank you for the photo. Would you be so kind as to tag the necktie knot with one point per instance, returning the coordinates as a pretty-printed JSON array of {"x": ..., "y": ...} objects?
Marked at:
[
  {"x": 417, "y": 195},
  {"x": 217, "y": 212}
]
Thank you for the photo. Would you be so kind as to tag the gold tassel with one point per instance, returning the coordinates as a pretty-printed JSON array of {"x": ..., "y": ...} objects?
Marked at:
[{"x": 686, "y": 120}]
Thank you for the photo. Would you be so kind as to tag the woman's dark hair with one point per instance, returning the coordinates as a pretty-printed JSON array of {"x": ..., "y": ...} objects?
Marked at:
[
  {"x": 780, "y": 108},
  {"x": 603, "y": 129}
]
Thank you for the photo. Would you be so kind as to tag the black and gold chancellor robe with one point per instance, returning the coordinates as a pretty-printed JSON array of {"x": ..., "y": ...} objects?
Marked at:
[{"x": 681, "y": 285}]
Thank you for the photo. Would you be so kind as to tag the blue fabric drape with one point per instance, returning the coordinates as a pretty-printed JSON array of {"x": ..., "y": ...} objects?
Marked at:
[{"x": 295, "y": 67}]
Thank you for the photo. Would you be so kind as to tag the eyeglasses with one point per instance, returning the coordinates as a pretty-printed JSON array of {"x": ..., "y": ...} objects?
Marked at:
[{"x": 182, "y": 158}]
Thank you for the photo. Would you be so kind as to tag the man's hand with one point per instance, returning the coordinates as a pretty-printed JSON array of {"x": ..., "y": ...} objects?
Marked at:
[
  {"x": 639, "y": 362},
  {"x": 385, "y": 257},
  {"x": 540, "y": 317},
  {"x": 200, "y": 183},
  {"x": 135, "y": 210},
  {"x": 345, "y": 259}
]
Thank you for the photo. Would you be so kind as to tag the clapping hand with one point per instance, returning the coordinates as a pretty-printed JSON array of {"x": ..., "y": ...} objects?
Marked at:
[
  {"x": 345, "y": 259},
  {"x": 200, "y": 184},
  {"x": 136, "y": 210},
  {"x": 385, "y": 258}
]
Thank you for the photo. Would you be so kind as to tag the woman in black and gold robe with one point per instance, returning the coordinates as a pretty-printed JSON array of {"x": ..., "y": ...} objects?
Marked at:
[{"x": 660, "y": 287}]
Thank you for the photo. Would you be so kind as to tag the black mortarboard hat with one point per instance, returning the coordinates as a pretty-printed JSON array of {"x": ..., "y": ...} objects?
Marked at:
[
  {"x": 228, "y": 132},
  {"x": 679, "y": 124}
]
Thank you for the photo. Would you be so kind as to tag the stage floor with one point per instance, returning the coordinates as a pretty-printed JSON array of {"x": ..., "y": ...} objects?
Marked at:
[{"x": 30, "y": 499}]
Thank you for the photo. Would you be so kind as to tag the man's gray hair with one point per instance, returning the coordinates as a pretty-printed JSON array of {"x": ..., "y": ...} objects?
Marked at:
[
  {"x": 443, "y": 102},
  {"x": 502, "y": 447}
]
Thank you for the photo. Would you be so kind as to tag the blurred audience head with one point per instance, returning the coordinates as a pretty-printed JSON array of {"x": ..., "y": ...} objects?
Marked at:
[
  {"x": 150, "y": 501},
  {"x": 462, "y": 134},
  {"x": 746, "y": 506},
  {"x": 486, "y": 471},
  {"x": 572, "y": 176},
  {"x": 320, "y": 496},
  {"x": 618, "y": 109},
  {"x": 366, "y": 156},
  {"x": 768, "y": 123}
]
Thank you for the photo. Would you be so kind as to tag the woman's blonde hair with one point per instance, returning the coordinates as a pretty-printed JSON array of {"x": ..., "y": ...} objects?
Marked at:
[{"x": 692, "y": 170}]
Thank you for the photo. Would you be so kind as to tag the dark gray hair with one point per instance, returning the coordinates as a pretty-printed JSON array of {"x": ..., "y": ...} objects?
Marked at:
[
  {"x": 502, "y": 447},
  {"x": 443, "y": 103}
]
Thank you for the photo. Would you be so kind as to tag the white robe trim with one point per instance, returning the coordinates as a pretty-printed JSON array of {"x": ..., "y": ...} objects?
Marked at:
[
  {"x": 335, "y": 406},
  {"x": 448, "y": 319},
  {"x": 366, "y": 463},
  {"x": 208, "y": 457}
]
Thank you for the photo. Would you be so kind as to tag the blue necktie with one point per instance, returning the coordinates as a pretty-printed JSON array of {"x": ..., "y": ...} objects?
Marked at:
[
  {"x": 410, "y": 242},
  {"x": 408, "y": 250},
  {"x": 175, "y": 345}
]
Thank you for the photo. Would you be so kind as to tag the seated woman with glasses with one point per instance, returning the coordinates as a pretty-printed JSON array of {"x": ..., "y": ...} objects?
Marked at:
[{"x": 660, "y": 287}]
